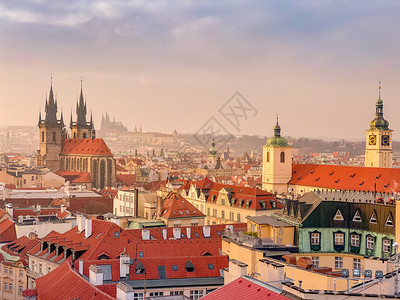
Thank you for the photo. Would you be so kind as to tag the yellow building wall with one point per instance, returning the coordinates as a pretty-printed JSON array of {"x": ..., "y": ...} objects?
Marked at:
[{"x": 280, "y": 235}]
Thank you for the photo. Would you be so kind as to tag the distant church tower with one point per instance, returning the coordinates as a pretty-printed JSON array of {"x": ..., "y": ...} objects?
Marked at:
[
  {"x": 52, "y": 135},
  {"x": 212, "y": 156},
  {"x": 277, "y": 163},
  {"x": 378, "y": 150},
  {"x": 81, "y": 129}
]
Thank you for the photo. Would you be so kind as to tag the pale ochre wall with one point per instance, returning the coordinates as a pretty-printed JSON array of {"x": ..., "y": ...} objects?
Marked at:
[
  {"x": 280, "y": 235},
  {"x": 250, "y": 257},
  {"x": 378, "y": 156},
  {"x": 328, "y": 260},
  {"x": 276, "y": 175}
]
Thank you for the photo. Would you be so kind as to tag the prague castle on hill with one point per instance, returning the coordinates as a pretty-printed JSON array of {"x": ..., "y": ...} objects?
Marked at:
[
  {"x": 279, "y": 175},
  {"x": 81, "y": 155}
]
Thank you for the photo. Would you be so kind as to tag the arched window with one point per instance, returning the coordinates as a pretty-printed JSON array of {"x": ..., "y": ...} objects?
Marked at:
[
  {"x": 267, "y": 156},
  {"x": 42, "y": 136},
  {"x": 53, "y": 137},
  {"x": 282, "y": 157},
  {"x": 84, "y": 135},
  {"x": 74, "y": 135}
]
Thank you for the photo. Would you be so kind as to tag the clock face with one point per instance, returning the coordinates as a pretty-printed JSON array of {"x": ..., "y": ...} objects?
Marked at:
[
  {"x": 385, "y": 140},
  {"x": 372, "y": 139}
]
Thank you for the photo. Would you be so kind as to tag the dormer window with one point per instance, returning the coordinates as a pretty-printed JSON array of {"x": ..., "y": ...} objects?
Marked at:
[
  {"x": 189, "y": 266},
  {"x": 139, "y": 268},
  {"x": 373, "y": 220},
  {"x": 389, "y": 221},
  {"x": 357, "y": 217},
  {"x": 338, "y": 216}
]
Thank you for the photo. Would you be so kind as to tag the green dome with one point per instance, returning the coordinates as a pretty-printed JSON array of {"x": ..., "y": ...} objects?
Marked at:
[
  {"x": 277, "y": 141},
  {"x": 212, "y": 150},
  {"x": 379, "y": 122}
]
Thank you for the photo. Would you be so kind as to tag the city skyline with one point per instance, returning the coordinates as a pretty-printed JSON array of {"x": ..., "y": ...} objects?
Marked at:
[{"x": 168, "y": 67}]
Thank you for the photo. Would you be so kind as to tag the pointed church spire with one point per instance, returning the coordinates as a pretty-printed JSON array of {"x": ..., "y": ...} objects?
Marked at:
[
  {"x": 51, "y": 106},
  {"x": 81, "y": 108},
  {"x": 70, "y": 122},
  {"x": 40, "y": 116}
]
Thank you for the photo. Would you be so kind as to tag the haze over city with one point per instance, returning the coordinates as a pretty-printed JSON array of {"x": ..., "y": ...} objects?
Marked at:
[{"x": 172, "y": 65}]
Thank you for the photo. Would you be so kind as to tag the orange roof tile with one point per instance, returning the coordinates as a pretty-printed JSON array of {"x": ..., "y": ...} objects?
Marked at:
[
  {"x": 175, "y": 206},
  {"x": 381, "y": 180},
  {"x": 64, "y": 283},
  {"x": 95, "y": 147}
]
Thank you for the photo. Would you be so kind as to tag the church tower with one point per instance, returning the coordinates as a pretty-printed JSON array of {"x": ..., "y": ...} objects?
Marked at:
[
  {"x": 52, "y": 135},
  {"x": 81, "y": 129},
  {"x": 378, "y": 150},
  {"x": 277, "y": 163},
  {"x": 212, "y": 156}
]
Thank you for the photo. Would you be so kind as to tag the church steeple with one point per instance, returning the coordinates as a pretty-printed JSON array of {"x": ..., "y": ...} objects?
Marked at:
[
  {"x": 379, "y": 122},
  {"x": 277, "y": 128},
  {"x": 51, "y": 107},
  {"x": 81, "y": 109}
]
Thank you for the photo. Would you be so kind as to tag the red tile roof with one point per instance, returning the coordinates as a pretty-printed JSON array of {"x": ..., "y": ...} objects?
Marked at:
[
  {"x": 20, "y": 246},
  {"x": 175, "y": 206},
  {"x": 127, "y": 179},
  {"x": 33, "y": 212},
  {"x": 76, "y": 177},
  {"x": 7, "y": 231},
  {"x": 64, "y": 283},
  {"x": 244, "y": 288},
  {"x": 95, "y": 147},
  {"x": 120, "y": 168},
  {"x": 387, "y": 180}
]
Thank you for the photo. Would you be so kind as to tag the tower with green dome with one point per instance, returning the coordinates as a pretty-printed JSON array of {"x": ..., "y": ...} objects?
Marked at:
[
  {"x": 378, "y": 150},
  {"x": 212, "y": 153},
  {"x": 277, "y": 162}
]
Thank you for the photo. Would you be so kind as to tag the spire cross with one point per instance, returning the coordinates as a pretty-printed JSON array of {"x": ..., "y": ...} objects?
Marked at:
[
  {"x": 81, "y": 82},
  {"x": 277, "y": 119}
]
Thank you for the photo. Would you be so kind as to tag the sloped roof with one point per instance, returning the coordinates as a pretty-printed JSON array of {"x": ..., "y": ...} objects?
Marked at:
[
  {"x": 245, "y": 288},
  {"x": 387, "y": 180},
  {"x": 126, "y": 179},
  {"x": 176, "y": 206},
  {"x": 20, "y": 246},
  {"x": 75, "y": 177},
  {"x": 64, "y": 283},
  {"x": 96, "y": 147},
  {"x": 7, "y": 231}
]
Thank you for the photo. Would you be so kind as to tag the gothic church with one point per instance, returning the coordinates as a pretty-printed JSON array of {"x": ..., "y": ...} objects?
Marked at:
[{"x": 81, "y": 158}]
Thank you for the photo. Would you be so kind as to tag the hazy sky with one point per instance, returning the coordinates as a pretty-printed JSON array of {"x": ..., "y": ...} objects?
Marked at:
[{"x": 169, "y": 65}]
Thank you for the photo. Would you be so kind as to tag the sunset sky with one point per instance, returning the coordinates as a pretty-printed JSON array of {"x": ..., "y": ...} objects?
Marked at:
[{"x": 169, "y": 65}]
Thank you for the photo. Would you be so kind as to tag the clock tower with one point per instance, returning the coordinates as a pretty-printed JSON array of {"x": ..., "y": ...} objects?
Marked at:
[{"x": 379, "y": 151}]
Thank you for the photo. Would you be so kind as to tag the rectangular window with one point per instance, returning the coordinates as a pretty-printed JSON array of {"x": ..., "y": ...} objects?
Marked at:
[
  {"x": 138, "y": 296},
  {"x": 6, "y": 270},
  {"x": 152, "y": 294},
  {"x": 386, "y": 246},
  {"x": 338, "y": 262},
  {"x": 10, "y": 287},
  {"x": 5, "y": 286},
  {"x": 357, "y": 263},
  {"x": 231, "y": 216},
  {"x": 214, "y": 213},
  {"x": 223, "y": 214},
  {"x": 339, "y": 238},
  {"x": 176, "y": 293},
  {"x": 141, "y": 254},
  {"x": 315, "y": 238},
  {"x": 238, "y": 218},
  {"x": 20, "y": 289},
  {"x": 315, "y": 261},
  {"x": 209, "y": 211},
  {"x": 21, "y": 273},
  {"x": 196, "y": 294},
  {"x": 355, "y": 240},
  {"x": 370, "y": 242},
  {"x": 11, "y": 271},
  {"x": 40, "y": 269}
]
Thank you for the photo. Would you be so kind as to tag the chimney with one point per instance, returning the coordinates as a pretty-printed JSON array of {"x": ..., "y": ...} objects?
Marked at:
[
  {"x": 164, "y": 232},
  {"x": 80, "y": 266},
  {"x": 136, "y": 204},
  {"x": 206, "y": 231},
  {"x": 95, "y": 275},
  {"x": 81, "y": 226},
  {"x": 62, "y": 208},
  {"x": 124, "y": 291},
  {"x": 177, "y": 233},
  {"x": 124, "y": 265},
  {"x": 10, "y": 209},
  {"x": 20, "y": 219},
  {"x": 145, "y": 234},
  {"x": 88, "y": 227},
  {"x": 159, "y": 207},
  {"x": 188, "y": 232}
]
